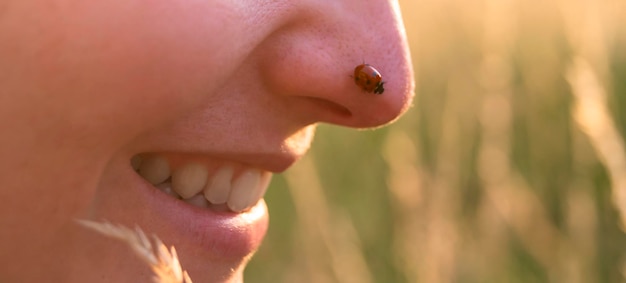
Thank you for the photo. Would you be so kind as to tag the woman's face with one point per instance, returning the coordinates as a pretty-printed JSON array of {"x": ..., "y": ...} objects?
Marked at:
[{"x": 207, "y": 97}]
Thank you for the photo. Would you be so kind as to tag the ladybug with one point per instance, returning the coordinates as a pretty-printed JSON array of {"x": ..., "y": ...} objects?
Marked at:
[{"x": 369, "y": 79}]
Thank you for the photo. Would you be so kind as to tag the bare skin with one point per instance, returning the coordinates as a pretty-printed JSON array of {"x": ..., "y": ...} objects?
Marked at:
[{"x": 87, "y": 85}]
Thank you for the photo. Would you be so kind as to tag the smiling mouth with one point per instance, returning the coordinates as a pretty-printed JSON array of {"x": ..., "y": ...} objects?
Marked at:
[{"x": 215, "y": 185}]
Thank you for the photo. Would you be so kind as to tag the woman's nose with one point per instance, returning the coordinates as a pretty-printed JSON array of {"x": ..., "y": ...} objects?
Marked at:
[{"x": 311, "y": 60}]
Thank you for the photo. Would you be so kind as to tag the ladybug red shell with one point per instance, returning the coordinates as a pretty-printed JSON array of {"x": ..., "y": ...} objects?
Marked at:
[{"x": 369, "y": 79}]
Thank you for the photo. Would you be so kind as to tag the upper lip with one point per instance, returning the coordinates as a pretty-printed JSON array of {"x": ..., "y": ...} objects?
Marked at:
[
  {"x": 273, "y": 162},
  {"x": 267, "y": 149}
]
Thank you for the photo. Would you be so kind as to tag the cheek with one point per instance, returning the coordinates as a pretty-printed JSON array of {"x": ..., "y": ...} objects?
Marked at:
[{"x": 123, "y": 65}]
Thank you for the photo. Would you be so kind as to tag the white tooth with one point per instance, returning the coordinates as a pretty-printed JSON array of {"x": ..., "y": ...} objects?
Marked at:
[
  {"x": 154, "y": 169},
  {"x": 135, "y": 162},
  {"x": 266, "y": 177},
  {"x": 189, "y": 180},
  {"x": 218, "y": 189},
  {"x": 248, "y": 189},
  {"x": 198, "y": 200},
  {"x": 167, "y": 188}
]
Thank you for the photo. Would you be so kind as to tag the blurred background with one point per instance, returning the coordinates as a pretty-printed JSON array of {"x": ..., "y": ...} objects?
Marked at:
[{"x": 510, "y": 166}]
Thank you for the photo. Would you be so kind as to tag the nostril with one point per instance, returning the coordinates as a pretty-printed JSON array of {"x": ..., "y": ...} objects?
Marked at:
[{"x": 331, "y": 109}]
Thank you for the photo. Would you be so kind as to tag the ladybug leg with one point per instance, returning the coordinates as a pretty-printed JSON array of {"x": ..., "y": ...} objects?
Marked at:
[{"x": 379, "y": 88}]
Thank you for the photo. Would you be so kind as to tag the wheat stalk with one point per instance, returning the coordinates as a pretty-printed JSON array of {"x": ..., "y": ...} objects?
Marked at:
[
  {"x": 163, "y": 261},
  {"x": 594, "y": 119}
]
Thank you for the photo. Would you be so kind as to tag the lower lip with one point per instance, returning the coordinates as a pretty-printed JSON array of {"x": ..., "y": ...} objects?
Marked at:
[{"x": 223, "y": 235}]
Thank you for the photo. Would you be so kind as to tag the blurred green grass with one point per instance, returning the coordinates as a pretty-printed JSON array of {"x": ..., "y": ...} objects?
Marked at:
[{"x": 488, "y": 178}]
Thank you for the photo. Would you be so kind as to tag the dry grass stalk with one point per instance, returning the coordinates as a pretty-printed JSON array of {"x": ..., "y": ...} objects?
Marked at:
[
  {"x": 593, "y": 117},
  {"x": 163, "y": 261}
]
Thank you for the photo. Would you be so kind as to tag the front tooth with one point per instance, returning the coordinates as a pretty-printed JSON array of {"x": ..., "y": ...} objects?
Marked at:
[
  {"x": 248, "y": 189},
  {"x": 218, "y": 189},
  {"x": 189, "y": 180},
  {"x": 154, "y": 169}
]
